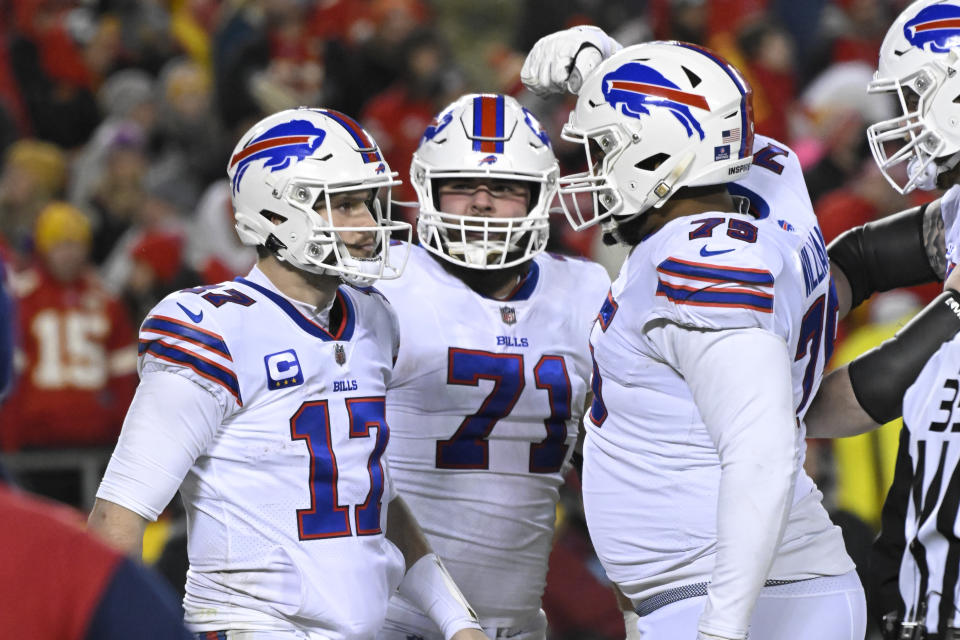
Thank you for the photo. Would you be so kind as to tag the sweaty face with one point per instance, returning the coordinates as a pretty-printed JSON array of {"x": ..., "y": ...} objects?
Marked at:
[{"x": 352, "y": 209}]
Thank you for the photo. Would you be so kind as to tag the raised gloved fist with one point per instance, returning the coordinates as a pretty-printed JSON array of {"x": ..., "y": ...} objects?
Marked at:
[{"x": 560, "y": 61}]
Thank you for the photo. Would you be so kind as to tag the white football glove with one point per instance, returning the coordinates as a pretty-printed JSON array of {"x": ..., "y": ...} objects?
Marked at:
[{"x": 560, "y": 61}]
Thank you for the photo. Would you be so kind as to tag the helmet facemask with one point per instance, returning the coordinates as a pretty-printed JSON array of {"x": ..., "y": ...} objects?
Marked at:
[
  {"x": 288, "y": 169},
  {"x": 484, "y": 242},
  {"x": 919, "y": 59},
  {"x": 602, "y": 147},
  {"x": 908, "y": 138},
  {"x": 491, "y": 138}
]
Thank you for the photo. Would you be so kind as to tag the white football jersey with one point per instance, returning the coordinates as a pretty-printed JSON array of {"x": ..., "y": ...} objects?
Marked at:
[
  {"x": 950, "y": 212},
  {"x": 483, "y": 407},
  {"x": 286, "y": 507},
  {"x": 651, "y": 470},
  {"x": 929, "y": 568}
]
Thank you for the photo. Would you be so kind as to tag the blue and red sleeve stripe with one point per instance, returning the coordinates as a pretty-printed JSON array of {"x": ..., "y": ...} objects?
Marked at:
[
  {"x": 714, "y": 273},
  {"x": 711, "y": 297},
  {"x": 174, "y": 328},
  {"x": 708, "y": 285},
  {"x": 200, "y": 365}
]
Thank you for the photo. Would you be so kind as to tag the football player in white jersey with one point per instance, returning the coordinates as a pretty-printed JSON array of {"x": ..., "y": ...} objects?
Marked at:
[
  {"x": 901, "y": 250},
  {"x": 707, "y": 355},
  {"x": 492, "y": 373},
  {"x": 914, "y": 563},
  {"x": 262, "y": 401}
]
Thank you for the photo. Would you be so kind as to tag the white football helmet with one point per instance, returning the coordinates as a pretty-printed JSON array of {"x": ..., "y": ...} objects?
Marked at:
[
  {"x": 661, "y": 115},
  {"x": 484, "y": 136},
  {"x": 287, "y": 163},
  {"x": 921, "y": 52}
]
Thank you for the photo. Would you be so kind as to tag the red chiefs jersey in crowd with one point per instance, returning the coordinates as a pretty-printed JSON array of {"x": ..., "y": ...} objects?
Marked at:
[{"x": 76, "y": 364}]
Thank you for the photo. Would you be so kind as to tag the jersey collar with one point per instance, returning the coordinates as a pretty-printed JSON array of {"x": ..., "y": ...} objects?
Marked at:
[{"x": 342, "y": 315}]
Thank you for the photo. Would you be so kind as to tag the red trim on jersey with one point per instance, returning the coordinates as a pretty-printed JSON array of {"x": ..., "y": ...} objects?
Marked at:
[
  {"x": 185, "y": 338},
  {"x": 193, "y": 368},
  {"x": 715, "y": 304},
  {"x": 751, "y": 292}
]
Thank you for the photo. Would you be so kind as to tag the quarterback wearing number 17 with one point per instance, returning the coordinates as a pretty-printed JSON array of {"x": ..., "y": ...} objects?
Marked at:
[{"x": 262, "y": 401}]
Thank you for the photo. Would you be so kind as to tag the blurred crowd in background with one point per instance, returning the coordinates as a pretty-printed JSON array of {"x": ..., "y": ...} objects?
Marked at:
[{"x": 117, "y": 118}]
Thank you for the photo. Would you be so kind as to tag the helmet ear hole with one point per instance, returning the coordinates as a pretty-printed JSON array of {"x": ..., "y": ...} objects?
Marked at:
[
  {"x": 651, "y": 163},
  {"x": 273, "y": 217},
  {"x": 692, "y": 77}
]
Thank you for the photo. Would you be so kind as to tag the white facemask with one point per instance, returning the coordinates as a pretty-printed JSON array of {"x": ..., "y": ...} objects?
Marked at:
[{"x": 926, "y": 177}]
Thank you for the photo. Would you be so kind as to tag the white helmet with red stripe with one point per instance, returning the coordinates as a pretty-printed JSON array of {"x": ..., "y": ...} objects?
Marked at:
[
  {"x": 484, "y": 136},
  {"x": 653, "y": 118},
  {"x": 286, "y": 167},
  {"x": 920, "y": 64}
]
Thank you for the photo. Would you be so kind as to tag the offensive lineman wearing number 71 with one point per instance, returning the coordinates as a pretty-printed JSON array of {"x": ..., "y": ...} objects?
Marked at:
[{"x": 262, "y": 400}]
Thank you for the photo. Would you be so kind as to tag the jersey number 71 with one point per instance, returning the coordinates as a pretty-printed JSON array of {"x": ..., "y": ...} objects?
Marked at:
[{"x": 468, "y": 448}]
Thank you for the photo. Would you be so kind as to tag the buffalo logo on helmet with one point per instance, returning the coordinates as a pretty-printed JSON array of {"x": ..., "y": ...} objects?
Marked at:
[
  {"x": 936, "y": 26},
  {"x": 437, "y": 125},
  {"x": 535, "y": 126},
  {"x": 634, "y": 88},
  {"x": 278, "y": 146},
  {"x": 489, "y": 159},
  {"x": 508, "y": 315}
]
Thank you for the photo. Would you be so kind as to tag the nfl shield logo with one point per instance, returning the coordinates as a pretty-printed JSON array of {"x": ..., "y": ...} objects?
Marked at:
[
  {"x": 339, "y": 354},
  {"x": 508, "y": 315}
]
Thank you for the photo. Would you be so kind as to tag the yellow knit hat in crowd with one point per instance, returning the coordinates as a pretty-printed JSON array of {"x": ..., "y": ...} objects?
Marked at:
[
  {"x": 44, "y": 161},
  {"x": 60, "y": 222}
]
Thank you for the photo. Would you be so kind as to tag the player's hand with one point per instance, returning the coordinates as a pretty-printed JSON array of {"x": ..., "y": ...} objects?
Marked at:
[
  {"x": 560, "y": 61},
  {"x": 469, "y": 634}
]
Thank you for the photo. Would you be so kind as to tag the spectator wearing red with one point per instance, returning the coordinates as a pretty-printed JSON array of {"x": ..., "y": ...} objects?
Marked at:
[
  {"x": 157, "y": 266},
  {"x": 398, "y": 116},
  {"x": 767, "y": 60},
  {"x": 59, "y": 583},
  {"x": 78, "y": 369},
  {"x": 864, "y": 25}
]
